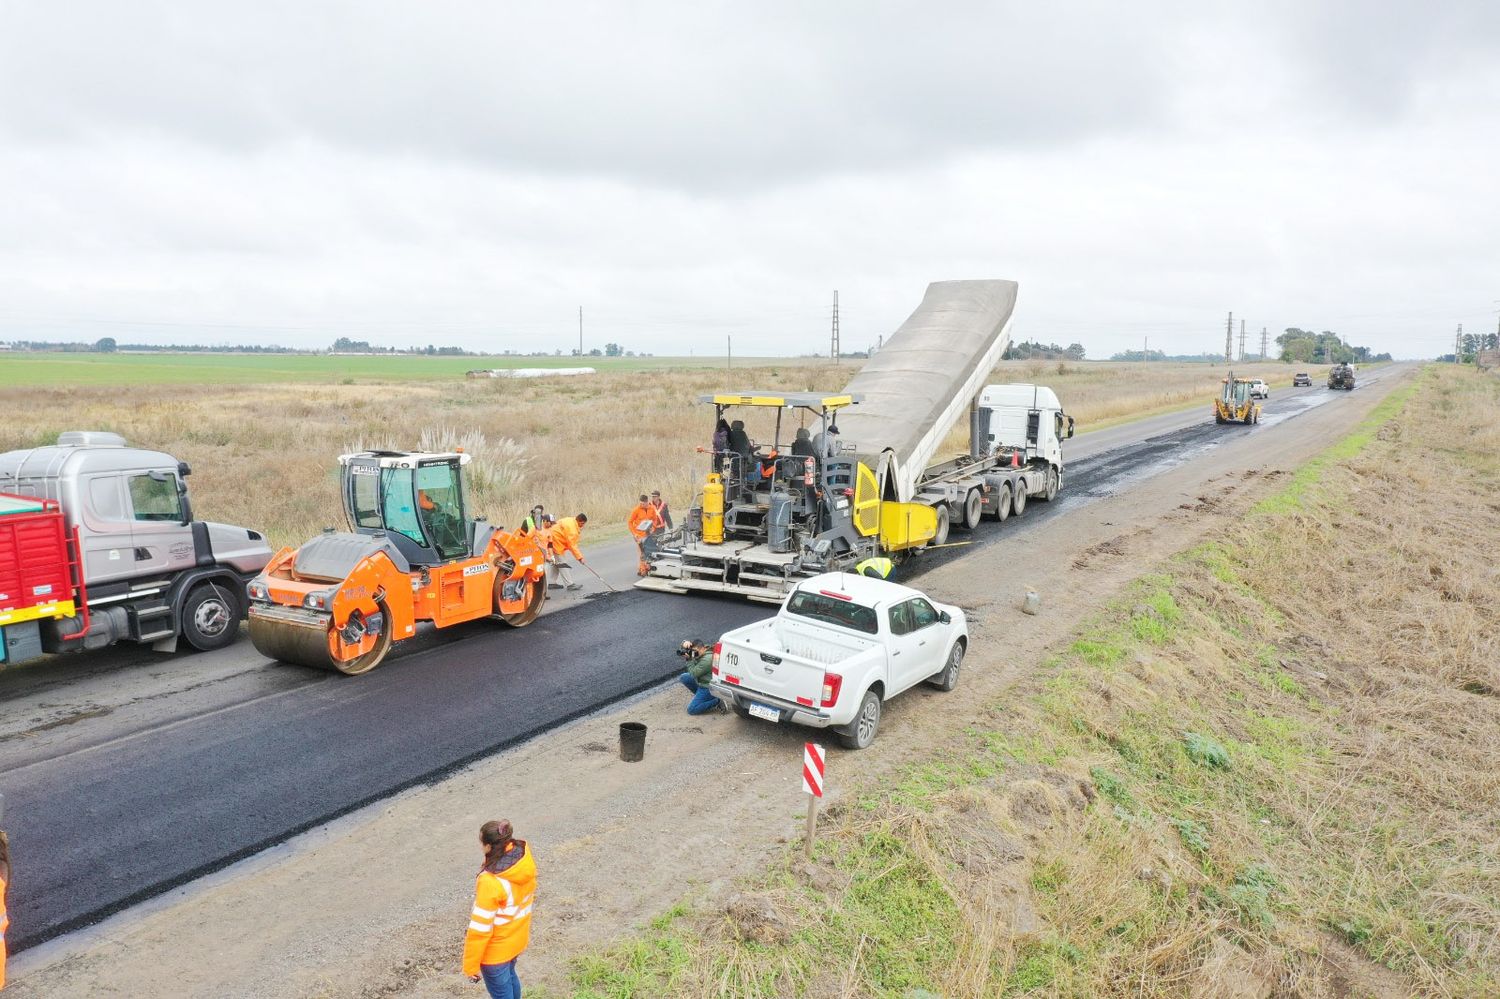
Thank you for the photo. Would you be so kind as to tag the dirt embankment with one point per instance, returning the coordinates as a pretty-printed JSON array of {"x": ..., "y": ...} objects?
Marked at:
[{"x": 375, "y": 904}]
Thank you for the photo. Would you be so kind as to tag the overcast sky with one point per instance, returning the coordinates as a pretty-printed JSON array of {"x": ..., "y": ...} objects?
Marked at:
[{"x": 472, "y": 173}]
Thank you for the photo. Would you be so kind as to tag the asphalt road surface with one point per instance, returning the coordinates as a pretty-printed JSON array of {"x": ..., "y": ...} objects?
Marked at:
[{"x": 109, "y": 807}]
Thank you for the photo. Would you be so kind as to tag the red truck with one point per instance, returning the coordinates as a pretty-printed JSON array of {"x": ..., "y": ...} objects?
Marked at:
[{"x": 38, "y": 573}]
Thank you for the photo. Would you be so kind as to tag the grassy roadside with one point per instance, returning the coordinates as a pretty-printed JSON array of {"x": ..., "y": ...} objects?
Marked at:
[{"x": 1271, "y": 769}]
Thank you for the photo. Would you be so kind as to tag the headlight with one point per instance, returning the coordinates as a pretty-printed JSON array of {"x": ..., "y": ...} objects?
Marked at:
[{"x": 318, "y": 601}]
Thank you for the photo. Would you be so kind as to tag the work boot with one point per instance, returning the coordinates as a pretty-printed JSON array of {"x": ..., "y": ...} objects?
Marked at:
[{"x": 575, "y": 586}]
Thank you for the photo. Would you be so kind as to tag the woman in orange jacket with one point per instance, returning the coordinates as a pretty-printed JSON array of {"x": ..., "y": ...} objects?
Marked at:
[
  {"x": 4, "y": 889},
  {"x": 500, "y": 923}
]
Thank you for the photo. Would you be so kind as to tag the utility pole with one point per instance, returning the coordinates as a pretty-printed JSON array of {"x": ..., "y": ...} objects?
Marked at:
[
  {"x": 1145, "y": 348},
  {"x": 1242, "y": 340},
  {"x": 1458, "y": 344},
  {"x": 729, "y": 353},
  {"x": 833, "y": 346},
  {"x": 580, "y": 331},
  {"x": 1229, "y": 339},
  {"x": 1263, "y": 343}
]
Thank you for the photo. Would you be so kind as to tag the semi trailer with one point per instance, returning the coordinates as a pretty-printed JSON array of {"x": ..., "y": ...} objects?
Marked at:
[
  {"x": 98, "y": 545},
  {"x": 857, "y": 474}
]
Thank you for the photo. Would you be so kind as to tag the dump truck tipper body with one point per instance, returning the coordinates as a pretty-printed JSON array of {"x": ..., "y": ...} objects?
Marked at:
[
  {"x": 1341, "y": 376},
  {"x": 140, "y": 568},
  {"x": 865, "y": 482}
]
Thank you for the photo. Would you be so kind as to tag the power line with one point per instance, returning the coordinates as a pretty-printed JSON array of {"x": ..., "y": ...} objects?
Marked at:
[
  {"x": 833, "y": 346},
  {"x": 1229, "y": 338}
]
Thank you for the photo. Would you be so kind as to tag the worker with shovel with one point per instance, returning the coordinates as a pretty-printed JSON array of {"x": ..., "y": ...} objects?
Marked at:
[
  {"x": 644, "y": 521},
  {"x": 562, "y": 537}
]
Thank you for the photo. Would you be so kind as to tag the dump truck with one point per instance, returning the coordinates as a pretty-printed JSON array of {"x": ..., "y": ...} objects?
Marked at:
[
  {"x": 98, "y": 545},
  {"x": 861, "y": 474},
  {"x": 411, "y": 554},
  {"x": 1236, "y": 401},
  {"x": 1341, "y": 376}
]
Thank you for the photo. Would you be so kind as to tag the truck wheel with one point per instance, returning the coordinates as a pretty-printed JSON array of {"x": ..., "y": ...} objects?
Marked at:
[
  {"x": 1002, "y": 507},
  {"x": 948, "y": 678},
  {"x": 1018, "y": 499},
  {"x": 1052, "y": 486},
  {"x": 210, "y": 617},
  {"x": 973, "y": 509},
  {"x": 859, "y": 733},
  {"x": 941, "y": 537}
]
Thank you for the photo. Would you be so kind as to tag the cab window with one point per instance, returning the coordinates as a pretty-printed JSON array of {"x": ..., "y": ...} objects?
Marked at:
[
  {"x": 154, "y": 497},
  {"x": 364, "y": 489},
  {"x": 900, "y": 616},
  {"x": 440, "y": 507},
  {"x": 923, "y": 614},
  {"x": 398, "y": 504}
]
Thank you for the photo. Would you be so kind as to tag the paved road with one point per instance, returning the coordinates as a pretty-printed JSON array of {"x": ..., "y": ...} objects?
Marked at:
[{"x": 171, "y": 781}]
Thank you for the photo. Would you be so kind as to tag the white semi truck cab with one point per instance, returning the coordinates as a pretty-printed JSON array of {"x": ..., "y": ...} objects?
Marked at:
[{"x": 142, "y": 569}]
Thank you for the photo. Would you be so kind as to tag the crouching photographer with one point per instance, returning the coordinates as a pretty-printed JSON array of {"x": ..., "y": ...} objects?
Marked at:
[{"x": 700, "y": 660}]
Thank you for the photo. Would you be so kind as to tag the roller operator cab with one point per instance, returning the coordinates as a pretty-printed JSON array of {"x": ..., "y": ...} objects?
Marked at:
[
  {"x": 413, "y": 553},
  {"x": 134, "y": 564}
]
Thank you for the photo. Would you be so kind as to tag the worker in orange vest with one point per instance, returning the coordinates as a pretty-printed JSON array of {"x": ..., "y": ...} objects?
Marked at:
[
  {"x": 500, "y": 923},
  {"x": 562, "y": 536},
  {"x": 4, "y": 891},
  {"x": 644, "y": 521}
]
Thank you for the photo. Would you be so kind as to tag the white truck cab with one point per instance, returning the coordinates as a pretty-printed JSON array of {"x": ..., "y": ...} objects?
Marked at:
[
  {"x": 841, "y": 645},
  {"x": 1028, "y": 418}
]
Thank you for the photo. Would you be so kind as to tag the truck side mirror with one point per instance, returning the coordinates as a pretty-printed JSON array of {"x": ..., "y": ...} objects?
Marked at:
[
  {"x": 182, "y": 502},
  {"x": 1070, "y": 426}
]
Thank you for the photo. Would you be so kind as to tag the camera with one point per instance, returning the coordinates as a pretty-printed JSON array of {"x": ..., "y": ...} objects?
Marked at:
[{"x": 685, "y": 651}]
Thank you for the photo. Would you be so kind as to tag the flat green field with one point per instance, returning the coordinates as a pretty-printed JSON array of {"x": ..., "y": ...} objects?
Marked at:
[{"x": 48, "y": 370}]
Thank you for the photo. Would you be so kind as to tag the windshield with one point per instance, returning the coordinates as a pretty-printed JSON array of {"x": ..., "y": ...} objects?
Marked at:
[{"x": 831, "y": 610}]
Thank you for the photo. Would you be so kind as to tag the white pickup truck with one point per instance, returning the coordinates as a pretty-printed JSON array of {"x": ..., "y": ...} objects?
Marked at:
[{"x": 841, "y": 645}]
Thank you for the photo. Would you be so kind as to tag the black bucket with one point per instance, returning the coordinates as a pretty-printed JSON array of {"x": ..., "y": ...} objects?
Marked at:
[{"x": 632, "y": 741}]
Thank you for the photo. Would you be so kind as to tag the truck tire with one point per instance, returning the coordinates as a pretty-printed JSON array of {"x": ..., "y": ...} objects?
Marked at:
[
  {"x": 860, "y": 732},
  {"x": 1052, "y": 486},
  {"x": 973, "y": 509},
  {"x": 1002, "y": 506},
  {"x": 210, "y": 616},
  {"x": 1018, "y": 499},
  {"x": 948, "y": 678},
  {"x": 941, "y": 537}
]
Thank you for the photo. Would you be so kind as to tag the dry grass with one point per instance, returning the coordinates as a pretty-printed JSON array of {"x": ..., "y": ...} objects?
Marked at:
[
  {"x": 1272, "y": 771},
  {"x": 263, "y": 455}
]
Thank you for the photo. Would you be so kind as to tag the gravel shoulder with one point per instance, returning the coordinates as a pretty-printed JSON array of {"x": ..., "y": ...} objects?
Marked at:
[{"x": 375, "y": 903}]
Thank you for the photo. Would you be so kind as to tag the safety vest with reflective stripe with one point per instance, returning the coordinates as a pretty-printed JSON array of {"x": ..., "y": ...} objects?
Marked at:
[
  {"x": 500, "y": 923},
  {"x": 882, "y": 567}
]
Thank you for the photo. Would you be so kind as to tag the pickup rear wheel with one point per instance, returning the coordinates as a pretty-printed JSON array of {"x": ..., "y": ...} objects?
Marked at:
[
  {"x": 948, "y": 678},
  {"x": 859, "y": 733}
]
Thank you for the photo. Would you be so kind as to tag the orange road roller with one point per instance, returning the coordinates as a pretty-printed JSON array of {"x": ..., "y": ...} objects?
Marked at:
[{"x": 411, "y": 554}]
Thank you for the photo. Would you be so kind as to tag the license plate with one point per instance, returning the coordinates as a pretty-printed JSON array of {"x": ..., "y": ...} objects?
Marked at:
[{"x": 762, "y": 711}]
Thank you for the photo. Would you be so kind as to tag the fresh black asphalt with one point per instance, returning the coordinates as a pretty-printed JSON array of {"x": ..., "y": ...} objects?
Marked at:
[{"x": 104, "y": 827}]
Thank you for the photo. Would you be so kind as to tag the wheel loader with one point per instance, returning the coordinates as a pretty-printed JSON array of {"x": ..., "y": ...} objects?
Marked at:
[
  {"x": 411, "y": 554},
  {"x": 1235, "y": 403}
]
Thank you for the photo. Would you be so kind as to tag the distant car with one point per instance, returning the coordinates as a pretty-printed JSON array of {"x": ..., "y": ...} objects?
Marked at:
[
  {"x": 1301, "y": 378},
  {"x": 1259, "y": 390}
]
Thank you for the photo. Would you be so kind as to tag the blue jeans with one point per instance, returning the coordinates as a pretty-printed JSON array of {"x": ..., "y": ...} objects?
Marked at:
[
  {"x": 501, "y": 980},
  {"x": 703, "y": 701}
]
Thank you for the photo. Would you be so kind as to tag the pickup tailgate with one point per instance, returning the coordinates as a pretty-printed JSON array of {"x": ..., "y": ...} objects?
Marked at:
[{"x": 785, "y": 659}]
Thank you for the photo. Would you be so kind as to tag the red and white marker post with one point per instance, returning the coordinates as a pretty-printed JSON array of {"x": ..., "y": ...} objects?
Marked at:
[{"x": 812, "y": 783}]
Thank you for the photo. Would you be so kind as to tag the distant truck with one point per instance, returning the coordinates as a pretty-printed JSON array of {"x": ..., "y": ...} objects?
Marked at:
[
  {"x": 98, "y": 545},
  {"x": 841, "y": 646},
  {"x": 1341, "y": 376}
]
